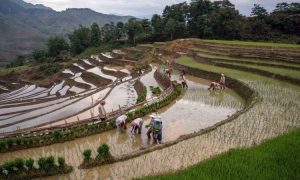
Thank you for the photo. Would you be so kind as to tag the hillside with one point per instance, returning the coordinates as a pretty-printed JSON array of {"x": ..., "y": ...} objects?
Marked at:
[{"x": 24, "y": 26}]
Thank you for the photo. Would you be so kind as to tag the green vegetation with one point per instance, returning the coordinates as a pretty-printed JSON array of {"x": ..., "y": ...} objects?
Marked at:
[
  {"x": 155, "y": 90},
  {"x": 250, "y": 43},
  {"x": 142, "y": 96},
  {"x": 25, "y": 169},
  {"x": 136, "y": 55},
  {"x": 103, "y": 156},
  {"x": 146, "y": 45},
  {"x": 281, "y": 71},
  {"x": 58, "y": 136},
  {"x": 87, "y": 154},
  {"x": 278, "y": 158},
  {"x": 221, "y": 56},
  {"x": 103, "y": 153}
]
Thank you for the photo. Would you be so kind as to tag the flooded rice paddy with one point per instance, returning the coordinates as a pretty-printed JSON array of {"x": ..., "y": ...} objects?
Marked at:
[{"x": 207, "y": 109}]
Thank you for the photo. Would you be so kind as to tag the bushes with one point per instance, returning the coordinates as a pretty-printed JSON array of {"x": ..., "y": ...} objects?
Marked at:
[
  {"x": 57, "y": 134},
  {"x": 103, "y": 152},
  {"x": 155, "y": 90},
  {"x": 19, "y": 163},
  {"x": 61, "y": 161},
  {"x": 24, "y": 169},
  {"x": 29, "y": 163},
  {"x": 103, "y": 156},
  {"x": 87, "y": 154}
]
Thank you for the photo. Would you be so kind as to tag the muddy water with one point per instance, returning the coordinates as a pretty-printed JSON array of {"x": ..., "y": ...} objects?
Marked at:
[
  {"x": 148, "y": 80},
  {"x": 60, "y": 111},
  {"x": 122, "y": 95},
  {"x": 177, "y": 120}
]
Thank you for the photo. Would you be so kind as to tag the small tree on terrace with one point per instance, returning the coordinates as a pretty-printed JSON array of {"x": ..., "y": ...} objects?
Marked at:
[
  {"x": 95, "y": 35},
  {"x": 55, "y": 45}
]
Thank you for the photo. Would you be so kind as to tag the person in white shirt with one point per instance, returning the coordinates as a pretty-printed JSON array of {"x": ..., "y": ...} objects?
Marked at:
[
  {"x": 102, "y": 113},
  {"x": 137, "y": 124},
  {"x": 222, "y": 82},
  {"x": 121, "y": 121}
]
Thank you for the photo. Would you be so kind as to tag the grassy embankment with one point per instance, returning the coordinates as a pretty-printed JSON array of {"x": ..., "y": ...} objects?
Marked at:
[
  {"x": 278, "y": 158},
  {"x": 250, "y": 43},
  {"x": 222, "y": 56}
]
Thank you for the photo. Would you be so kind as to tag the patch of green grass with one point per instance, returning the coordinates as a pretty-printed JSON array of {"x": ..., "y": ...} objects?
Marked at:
[
  {"x": 206, "y": 51},
  {"x": 276, "y": 70},
  {"x": 223, "y": 56},
  {"x": 136, "y": 55},
  {"x": 155, "y": 90},
  {"x": 249, "y": 43},
  {"x": 15, "y": 69},
  {"x": 146, "y": 45},
  {"x": 278, "y": 158}
]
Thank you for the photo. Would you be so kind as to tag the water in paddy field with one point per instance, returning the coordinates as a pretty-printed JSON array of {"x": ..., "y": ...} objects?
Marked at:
[
  {"x": 123, "y": 95},
  {"x": 149, "y": 80},
  {"x": 196, "y": 109}
]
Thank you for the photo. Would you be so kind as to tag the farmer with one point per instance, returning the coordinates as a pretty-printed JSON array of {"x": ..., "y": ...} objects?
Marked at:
[
  {"x": 121, "y": 121},
  {"x": 183, "y": 81},
  {"x": 214, "y": 86},
  {"x": 151, "y": 124},
  {"x": 102, "y": 113},
  {"x": 222, "y": 82},
  {"x": 157, "y": 130},
  {"x": 137, "y": 125}
]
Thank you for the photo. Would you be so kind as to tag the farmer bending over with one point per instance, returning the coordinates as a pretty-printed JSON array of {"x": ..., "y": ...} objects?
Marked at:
[
  {"x": 121, "y": 121},
  {"x": 137, "y": 125},
  {"x": 214, "y": 86}
]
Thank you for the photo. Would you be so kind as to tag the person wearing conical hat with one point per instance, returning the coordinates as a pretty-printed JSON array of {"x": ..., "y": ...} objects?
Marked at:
[{"x": 222, "y": 82}]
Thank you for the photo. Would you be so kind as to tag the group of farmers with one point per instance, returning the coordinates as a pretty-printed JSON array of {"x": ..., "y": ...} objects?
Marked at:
[{"x": 154, "y": 127}]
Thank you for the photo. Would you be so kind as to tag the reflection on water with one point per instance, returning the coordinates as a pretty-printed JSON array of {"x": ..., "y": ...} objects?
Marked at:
[
  {"x": 149, "y": 80},
  {"x": 197, "y": 109}
]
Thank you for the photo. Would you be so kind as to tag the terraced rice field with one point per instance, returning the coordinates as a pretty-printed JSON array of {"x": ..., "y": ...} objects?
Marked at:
[
  {"x": 34, "y": 106},
  {"x": 207, "y": 109},
  {"x": 276, "y": 112}
]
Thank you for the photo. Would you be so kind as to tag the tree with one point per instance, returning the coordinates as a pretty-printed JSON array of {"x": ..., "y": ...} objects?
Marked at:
[
  {"x": 55, "y": 45},
  {"x": 157, "y": 26},
  {"x": 39, "y": 55},
  {"x": 95, "y": 35},
  {"x": 108, "y": 32},
  {"x": 259, "y": 11},
  {"x": 133, "y": 27},
  {"x": 80, "y": 39},
  {"x": 170, "y": 28},
  {"x": 120, "y": 30}
]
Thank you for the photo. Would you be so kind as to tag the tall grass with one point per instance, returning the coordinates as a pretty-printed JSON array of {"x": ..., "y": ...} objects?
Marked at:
[{"x": 278, "y": 158}]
